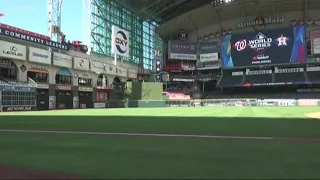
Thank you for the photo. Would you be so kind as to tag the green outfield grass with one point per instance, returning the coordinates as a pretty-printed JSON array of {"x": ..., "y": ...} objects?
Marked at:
[{"x": 106, "y": 156}]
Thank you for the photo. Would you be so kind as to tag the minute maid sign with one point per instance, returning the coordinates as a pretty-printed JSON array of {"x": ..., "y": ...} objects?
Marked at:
[{"x": 120, "y": 42}]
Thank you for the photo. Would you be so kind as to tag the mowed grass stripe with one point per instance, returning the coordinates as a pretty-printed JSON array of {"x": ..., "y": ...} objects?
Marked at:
[
  {"x": 227, "y": 121},
  {"x": 162, "y": 158},
  {"x": 290, "y": 112}
]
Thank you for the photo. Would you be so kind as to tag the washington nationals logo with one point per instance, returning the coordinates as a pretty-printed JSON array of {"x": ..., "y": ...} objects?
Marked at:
[
  {"x": 241, "y": 45},
  {"x": 121, "y": 42}
]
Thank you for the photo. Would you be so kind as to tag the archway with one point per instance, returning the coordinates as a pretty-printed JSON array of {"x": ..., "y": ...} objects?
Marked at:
[
  {"x": 102, "y": 80},
  {"x": 64, "y": 76},
  {"x": 64, "y": 94},
  {"x": 116, "y": 80},
  {"x": 129, "y": 80},
  {"x": 8, "y": 70}
]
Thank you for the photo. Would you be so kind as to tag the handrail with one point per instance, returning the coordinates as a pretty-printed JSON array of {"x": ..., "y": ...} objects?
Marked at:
[{"x": 33, "y": 83}]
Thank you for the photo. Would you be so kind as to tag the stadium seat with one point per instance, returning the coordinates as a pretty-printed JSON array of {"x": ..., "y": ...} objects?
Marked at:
[
  {"x": 258, "y": 79},
  {"x": 289, "y": 77},
  {"x": 228, "y": 80},
  {"x": 314, "y": 75}
]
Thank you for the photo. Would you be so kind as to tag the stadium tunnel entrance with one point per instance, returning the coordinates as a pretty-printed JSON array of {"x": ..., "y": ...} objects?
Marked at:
[
  {"x": 40, "y": 74},
  {"x": 64, "y": 94},
  {"x": 8, "y": 70},
  {"x": 85, "y": 92}
]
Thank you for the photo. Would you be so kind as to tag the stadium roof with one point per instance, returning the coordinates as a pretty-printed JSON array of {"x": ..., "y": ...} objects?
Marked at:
[
  {"x": 181, "y": 16},
  {"x": 162, "y": 10}
]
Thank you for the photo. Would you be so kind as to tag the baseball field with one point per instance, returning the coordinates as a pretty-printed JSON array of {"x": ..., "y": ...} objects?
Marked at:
[{"x": 198, "y": 143}]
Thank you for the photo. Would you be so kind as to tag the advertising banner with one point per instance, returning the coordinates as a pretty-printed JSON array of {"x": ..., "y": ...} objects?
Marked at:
[
  {"x": 62, "y": 60},
  {"x": 120, "y": 42},
  {"x": 315, "y": 41},
  {"x": 24, "y": 35},
  {"x": 81, "y": 63},
  {"x": 13, "y": 50},
  {"x": 278, "y": 46},
  {"x": 286, "y": 102},
  {"x": 99, "y": 105},
  {"x": 208, "y": 51},
  {"x": 39, "y": 55},
  {"x": 52, "y": 102},
  {"x": 17, "y": 88},
  {"x": 182, "y": 50},
  {"x": 307, "y": 102},
  {"x": 18, "y": 108}
]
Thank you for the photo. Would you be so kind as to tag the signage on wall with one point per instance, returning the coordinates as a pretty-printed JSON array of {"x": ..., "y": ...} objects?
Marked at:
[
  {"x": 42, "y": 86},
  {"x": 104, "y": 87},
  {"x": 260, "y": 22},
  {"x": 99, "y": 105},
  {"x": 97, "y": 67},
  {"x": 39, "y": 55},
  {"x": 16, "y": 88},
  {"x": 38, "y": 68},
  {"x": 315, "y": 41},
  {"x": 13, "y": 50},
  {"x": 208, "y": 51},
  {"x": 85, "y": 89},
  {"x": 183, "y": 35},
  {"x": 23, "y": 68},
  {"x": 81, "y": 63},
  {"x": 182, "y": 50},
  {"x": 14, "y": 32},
  {"x": 120, "y": 42},
  {"x": 62, "y": 60},
  {"x": 18, "y": 108},
  {"x": 111, "y": 69},
  {"x": 5, "y": 63},
  {"x": 64, "y": 87},
  {"x": 276, "y": 46}
]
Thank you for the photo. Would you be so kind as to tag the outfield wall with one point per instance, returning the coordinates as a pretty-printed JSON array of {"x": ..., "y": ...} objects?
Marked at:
[{"x": 210, "y": 102}]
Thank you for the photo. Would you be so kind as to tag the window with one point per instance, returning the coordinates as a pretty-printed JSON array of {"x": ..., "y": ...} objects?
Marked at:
[
  {"x": 61, "y": 79},
  {"x": 38, "y": 77},
  {"x": 143, "y": 39},
  {"x": 8, "y": 73},
  {"x": 84, "y": 81}
]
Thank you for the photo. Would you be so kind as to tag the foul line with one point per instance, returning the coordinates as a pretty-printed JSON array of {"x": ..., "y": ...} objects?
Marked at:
[{"x": 294, "y": 139}]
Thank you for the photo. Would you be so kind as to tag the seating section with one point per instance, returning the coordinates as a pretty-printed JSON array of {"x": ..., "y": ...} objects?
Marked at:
[
  {"x": 257, "y": 95},
  {"x": 258, "y": 79},
  {"x": 314, "y": 75},
  {"x": 289, "y": 77},
  {"x": 229, "y": 80},
  {"x": 177, "y": 96}
]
